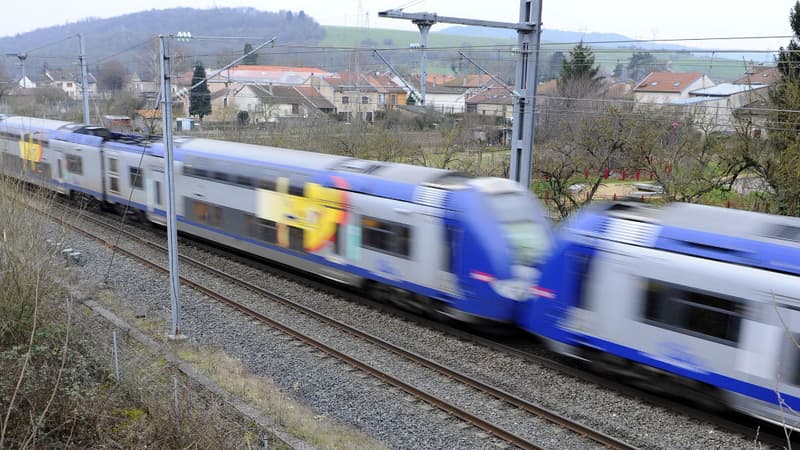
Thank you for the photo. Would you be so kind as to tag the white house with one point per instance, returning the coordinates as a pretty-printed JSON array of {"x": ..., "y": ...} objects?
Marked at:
[{"x": 664, "y": 87}]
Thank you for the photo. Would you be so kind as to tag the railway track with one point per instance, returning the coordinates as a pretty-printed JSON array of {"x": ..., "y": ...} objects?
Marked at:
[{"x": 476, "y": 386}]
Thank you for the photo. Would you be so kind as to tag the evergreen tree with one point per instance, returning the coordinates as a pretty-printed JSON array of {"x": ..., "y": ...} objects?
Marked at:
[
  {"x": 578, "y": 76},
  {"x": 250, "y": 60},
  {"x": 779, "y": 164},
  {"x": 640, "y": 65},
  {"x": 200, "y": 96},
  {"x": 553, "y": 68}
]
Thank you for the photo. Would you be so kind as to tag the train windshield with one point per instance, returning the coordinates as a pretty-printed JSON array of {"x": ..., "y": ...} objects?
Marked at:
[{"x": 525, "y": 233}]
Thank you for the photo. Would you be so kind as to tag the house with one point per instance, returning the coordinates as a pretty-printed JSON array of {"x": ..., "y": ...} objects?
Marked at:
[
  {"x": 144, "y": 84},
  {"x": 390, "y": 93},
  {"x": 265, "y": 75},
  {"x": 494, "y": 101},
  {"x": 26, "y": 83},
  {"x": 664, "y": 87},
  {"x": 717, "y": 108},
  {"x": 760, "y": 74},
  {"x": 147, "y": 120},
  {"x": 352, "y": 94},
  {"x": 271, "y": 103},
  {"x": 71, "y": 83}
]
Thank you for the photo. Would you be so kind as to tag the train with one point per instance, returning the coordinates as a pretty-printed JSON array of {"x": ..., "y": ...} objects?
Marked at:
[
  {"x": 431, "y": 240},
  {"x": 697, "y": 301}
]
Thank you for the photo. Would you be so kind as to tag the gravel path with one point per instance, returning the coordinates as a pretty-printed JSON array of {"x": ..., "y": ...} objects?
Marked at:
[{"x": 372, "y": 407}]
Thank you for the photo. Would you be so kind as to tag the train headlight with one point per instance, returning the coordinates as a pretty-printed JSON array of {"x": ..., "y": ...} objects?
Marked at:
[{"x": 516, "y": 290}]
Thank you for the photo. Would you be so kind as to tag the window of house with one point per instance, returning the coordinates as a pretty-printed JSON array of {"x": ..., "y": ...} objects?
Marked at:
[
  {"x": 364, "y": 100},
  {"x": 295, "y": 109},
  {"x": 75, "y": 164},
  {"x": 386, "y": 237},
  {"x": 345, "y": 100},
  {"x": 136, "y": 178},
  {"x": 693, "y": 312}
]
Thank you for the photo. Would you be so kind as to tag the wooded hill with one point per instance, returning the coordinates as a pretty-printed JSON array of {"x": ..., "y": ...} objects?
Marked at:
[{"x": 300, "y": 40}]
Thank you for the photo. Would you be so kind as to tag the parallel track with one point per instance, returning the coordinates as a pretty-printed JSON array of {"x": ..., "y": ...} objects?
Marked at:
[{"x": 450, "y": 408}]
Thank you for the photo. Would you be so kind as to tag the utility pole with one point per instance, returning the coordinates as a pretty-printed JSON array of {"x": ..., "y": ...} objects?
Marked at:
[
  {"x": 84, "y": 82},
  {"x": 528, "y": 36},
  {"x": 424, "y": 26},
  {"x": 169, "y": 169},
  {"x": 22, "y": 56},
  {"x": 172, "y": 230}
]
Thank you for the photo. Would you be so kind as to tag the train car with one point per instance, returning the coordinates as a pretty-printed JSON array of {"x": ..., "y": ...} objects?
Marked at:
[
  {"x": 428, "y": 239},
  {"x": 699, "y": 301},
  {"x": 106, "y": 166},
  {"x": 25, "y": 149}
]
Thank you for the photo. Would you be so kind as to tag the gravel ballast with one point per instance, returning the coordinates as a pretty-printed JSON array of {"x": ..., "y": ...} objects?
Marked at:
[{"x": 340, "y": 393}]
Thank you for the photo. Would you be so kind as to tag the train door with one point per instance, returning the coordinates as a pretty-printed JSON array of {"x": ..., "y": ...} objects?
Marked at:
[
  {"x": 58, "y": 173},
  {"x": 769, "y": 357},
  {"x": 789, "y": 360},
  {"x": 156, "y": 201},
  {"x": 443, "y": 251}
]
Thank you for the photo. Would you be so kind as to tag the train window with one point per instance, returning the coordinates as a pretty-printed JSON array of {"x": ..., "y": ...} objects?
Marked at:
[
  {"x": 158, "y": 192},
  {"x": 693, "y": 311},
  {"x": 266, "y": 184},
  {"x": 199, "y": 211},
  {"x": 337, "y": 246},
  {"x": 221, "y": 176},
  {"x": 113, "y": 165},
  {"x": 136, "y": 179},
  {"x": 75, "y": 164},
  {"x": 113, "y": 185},
  {"x": 195, "y": 172},
  {"x": 387, "y": 237},
  {"x": 452, "y": 241},
  {"x": 296, "y": 238},
  {"x": 266, "y": 230},
  {"x": 244, "y": 181}
]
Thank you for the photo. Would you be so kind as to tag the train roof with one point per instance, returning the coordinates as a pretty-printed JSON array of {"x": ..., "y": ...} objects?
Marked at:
[
  {"x": 22, "y": 124},
  {"x": 225, "y": 150},
  {"x": 740, "y": 237}
]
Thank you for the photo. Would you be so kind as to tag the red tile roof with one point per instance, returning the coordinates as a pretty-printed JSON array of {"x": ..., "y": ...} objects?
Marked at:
[
  {"x": 760, "y": 75},
  {"x": 667, "y": 81},
  {"x": 492, "y": 96},
  {"x": 384, "y": 84}
]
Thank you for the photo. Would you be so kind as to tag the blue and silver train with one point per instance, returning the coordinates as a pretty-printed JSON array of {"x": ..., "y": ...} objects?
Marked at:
[
  {"x": 427, "y": 239},
  {"x": 696, "y": 300}
]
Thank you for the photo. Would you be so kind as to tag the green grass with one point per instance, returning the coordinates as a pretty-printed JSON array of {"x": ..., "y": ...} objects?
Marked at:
[
  {"x": 719, "y": 69},
  {"x": 353, "y": 36}
]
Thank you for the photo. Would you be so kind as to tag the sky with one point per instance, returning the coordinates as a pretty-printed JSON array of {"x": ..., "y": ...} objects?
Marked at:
[{"x": 638, "y": 19}]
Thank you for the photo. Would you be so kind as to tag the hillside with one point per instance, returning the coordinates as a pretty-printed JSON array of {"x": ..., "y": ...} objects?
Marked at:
[{"x": 130, "y": 39}]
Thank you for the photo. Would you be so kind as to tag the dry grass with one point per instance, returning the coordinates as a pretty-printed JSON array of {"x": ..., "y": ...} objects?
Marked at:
[
  {"x": 57, "y": 388},
  {"x": 273, "y": 402}
]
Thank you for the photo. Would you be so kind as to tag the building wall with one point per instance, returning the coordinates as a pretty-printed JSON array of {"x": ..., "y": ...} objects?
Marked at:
[{"x": 447, "y": 103}]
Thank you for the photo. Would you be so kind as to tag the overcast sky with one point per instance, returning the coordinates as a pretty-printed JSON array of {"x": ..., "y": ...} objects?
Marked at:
[{"x": 640, "y": 19}]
